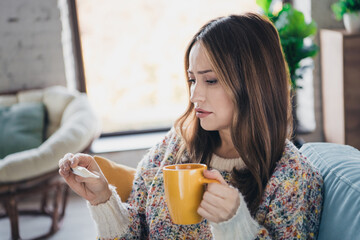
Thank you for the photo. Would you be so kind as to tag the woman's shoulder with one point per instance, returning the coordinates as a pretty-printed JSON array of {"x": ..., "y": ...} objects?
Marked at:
[
  {"x": 293, "y": 166},
  {"x": 294, "y": 190}
]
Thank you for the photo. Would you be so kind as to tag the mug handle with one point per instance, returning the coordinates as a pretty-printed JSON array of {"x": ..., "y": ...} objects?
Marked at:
[{"x": 204, "y": 180}]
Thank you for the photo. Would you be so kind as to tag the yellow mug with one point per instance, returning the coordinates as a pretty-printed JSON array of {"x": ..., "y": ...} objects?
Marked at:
[{"x": 184, "y": 188}]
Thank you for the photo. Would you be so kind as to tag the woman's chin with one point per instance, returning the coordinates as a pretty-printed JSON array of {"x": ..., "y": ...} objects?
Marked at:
[{"x": 207, "y": 127}]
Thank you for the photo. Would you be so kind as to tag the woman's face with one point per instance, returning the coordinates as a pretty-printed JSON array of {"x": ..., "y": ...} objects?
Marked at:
[{"x": 212, "y": 104}]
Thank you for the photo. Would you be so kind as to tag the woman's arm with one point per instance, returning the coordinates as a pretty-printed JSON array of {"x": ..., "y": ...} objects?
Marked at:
[
  {"x": 116, "y": 219},
  {"x": 292, "y": 209},
  {"x": 113, "y": 218}
]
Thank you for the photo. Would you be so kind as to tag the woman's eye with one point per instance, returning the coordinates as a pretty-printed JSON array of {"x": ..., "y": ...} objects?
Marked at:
[
  {"x": 191, "y": 80},
  {"x": 214, "y": 81}
]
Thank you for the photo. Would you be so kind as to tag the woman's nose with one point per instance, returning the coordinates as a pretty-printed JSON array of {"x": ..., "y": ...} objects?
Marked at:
[{"x": 197, "y": 93}]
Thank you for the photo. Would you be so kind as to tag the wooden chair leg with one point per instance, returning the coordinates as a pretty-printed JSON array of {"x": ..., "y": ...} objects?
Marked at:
[
  {"x": 59, "y": 206},
  {"x": 44, "y": 200},
  {"x": 65, "y": 197},
  {"x": 12, "y": 192},
  {"x": 56, "y": 206},
  {"x": 12, "y": 211}
]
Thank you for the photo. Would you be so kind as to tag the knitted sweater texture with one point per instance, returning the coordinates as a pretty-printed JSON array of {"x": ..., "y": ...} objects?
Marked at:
[{"x": 290, "y": 207}]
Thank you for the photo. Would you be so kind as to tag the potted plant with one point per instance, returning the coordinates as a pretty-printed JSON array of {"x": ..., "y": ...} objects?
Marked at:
[
  {"x": 349, "y": 10},
  {"x": 293, "y": 30}
]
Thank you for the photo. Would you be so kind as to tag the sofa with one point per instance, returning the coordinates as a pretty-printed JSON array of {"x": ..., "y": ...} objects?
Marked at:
[{"x": 340, "y": 167}]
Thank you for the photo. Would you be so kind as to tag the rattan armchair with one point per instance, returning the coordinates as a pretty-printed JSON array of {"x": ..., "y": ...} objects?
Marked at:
[{"x": 71, "y": 127}]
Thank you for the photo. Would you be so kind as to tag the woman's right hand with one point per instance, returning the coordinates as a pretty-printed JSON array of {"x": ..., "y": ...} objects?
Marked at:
[{"x": 95, "y": 190}]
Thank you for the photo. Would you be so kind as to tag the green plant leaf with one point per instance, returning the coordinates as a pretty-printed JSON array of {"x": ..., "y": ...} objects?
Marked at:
[
  {"x": 265, "y": 5},
  {"x": 344, "y": 6},
  {"x": 291, "y": 22},
  {"x": 338, "y": 9},
  {"x": 309, "y": 51},
  {"x": 352, "y": 5},
  {"x": 293, "y": 29}
]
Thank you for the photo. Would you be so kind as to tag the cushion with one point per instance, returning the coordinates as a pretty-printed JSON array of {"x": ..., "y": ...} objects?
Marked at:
[
  {"x": 21, "y": 127},
  {"x": 33, "y": 95},
  {"x": 78, "y": 128},
  {"x": 119, "y": 175},
  {"x": 340, "y": 167},
  {"x": 7, "y": 100},
  {"x": 56, "y": 100}
]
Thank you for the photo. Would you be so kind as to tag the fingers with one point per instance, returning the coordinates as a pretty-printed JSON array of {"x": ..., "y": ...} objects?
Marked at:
[
  {"x": 220, "y": 201},
  {"x": 205, "y": 214},
  {"x": 95, "y": 190},
  {"x": 217, "y": 207},
  {"x": 221, "y": 191},
  {"x": 81, "y": 159},
  {"x": 71, "y": 161},
  {"x": 212, "y": 214},
  {"x": 80, "y": 179},
  {"x": 64, "y": 162},
  {"x": 218, "y": 212},
  {"x": 210, "y": 206},
  {"x": 85, "y": 160},
  {"x": 213, "y": 208},
  {"x": 64, "y": 165},
  {"x": 214, "y": 174},
  {"x": 214, "y": 188}
]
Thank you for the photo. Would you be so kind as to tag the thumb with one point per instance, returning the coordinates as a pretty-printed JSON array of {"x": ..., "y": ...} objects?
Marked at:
[{"x": 215, "y": 174}]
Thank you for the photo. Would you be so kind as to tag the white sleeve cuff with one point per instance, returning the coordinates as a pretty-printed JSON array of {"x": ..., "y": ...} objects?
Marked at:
[
  {"x": 240, "y": 226},
  {"x": 111, "y": 218}
]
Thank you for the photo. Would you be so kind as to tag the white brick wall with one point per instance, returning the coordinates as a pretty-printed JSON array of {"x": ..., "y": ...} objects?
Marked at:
[{"x": 31, "y": 54}]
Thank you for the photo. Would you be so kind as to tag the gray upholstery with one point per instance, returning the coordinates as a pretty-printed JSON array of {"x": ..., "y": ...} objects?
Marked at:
[{"x": 340, "y": 167}]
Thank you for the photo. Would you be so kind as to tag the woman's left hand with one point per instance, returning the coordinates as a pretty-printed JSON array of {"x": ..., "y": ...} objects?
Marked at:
[{"x": 220, "y": 201}]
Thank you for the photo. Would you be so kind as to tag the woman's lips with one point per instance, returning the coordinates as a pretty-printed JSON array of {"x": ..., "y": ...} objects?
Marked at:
[{"x": 200, "y": 113}]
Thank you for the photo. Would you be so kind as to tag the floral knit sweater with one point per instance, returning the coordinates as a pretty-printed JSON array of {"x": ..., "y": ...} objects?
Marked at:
[{"x": 290, "y": 207}]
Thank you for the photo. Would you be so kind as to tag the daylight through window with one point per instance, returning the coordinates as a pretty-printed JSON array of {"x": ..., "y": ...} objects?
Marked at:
[{"x": 133, "y": 56}]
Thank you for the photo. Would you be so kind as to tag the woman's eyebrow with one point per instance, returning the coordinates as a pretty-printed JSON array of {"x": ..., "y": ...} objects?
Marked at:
[{"x": 200, "y": 72}]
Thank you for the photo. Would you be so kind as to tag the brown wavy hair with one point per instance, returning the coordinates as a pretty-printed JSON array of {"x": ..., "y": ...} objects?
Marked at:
[{"x": 247, "y": 58}]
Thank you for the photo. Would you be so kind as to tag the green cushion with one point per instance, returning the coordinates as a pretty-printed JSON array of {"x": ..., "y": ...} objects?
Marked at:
[{"x": 21, "y": 127}]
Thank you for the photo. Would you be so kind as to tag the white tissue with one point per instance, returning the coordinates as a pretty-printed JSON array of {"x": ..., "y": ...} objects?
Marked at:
[{"x": 83, "y": 172}]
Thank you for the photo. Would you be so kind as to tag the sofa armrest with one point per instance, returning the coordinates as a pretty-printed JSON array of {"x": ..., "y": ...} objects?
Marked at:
[
  {"x": 119, "y": 175},
  {"x": 340, "y": 167}
]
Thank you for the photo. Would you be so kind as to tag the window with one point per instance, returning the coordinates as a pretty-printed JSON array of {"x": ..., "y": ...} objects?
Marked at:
[{"x": 133, "y": 56}]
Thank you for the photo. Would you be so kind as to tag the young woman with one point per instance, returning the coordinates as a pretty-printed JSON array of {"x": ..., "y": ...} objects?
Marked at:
[{"x": 237, "y": 122}]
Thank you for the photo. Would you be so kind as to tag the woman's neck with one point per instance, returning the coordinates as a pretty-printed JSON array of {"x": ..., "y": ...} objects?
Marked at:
[{"x": 226, "y": 148}]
